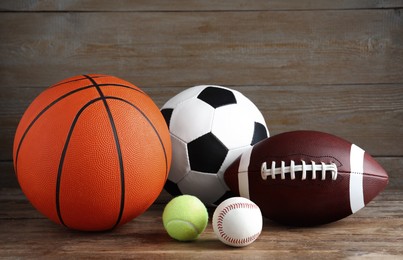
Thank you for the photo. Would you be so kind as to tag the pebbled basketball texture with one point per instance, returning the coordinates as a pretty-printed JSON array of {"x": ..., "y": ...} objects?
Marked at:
[
  {"x": 306, "y": 178},
  {"x": 92, "y": 152}
]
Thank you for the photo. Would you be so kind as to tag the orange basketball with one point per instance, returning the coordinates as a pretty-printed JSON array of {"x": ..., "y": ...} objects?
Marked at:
[{"x": 92, "y": 152}]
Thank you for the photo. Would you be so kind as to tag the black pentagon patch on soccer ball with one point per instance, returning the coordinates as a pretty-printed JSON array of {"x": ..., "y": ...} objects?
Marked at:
[
  {"x": 172, "y": 188},
  {"x": 206, "y": 153},
  {"x": 259, "y": 133},
  {"x": 167, "y": 113},
  {"x": 217, "y": 97}
]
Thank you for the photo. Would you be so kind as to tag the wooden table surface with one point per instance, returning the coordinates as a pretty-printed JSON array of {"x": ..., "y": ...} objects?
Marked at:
[{"x": 375, "y": 232}]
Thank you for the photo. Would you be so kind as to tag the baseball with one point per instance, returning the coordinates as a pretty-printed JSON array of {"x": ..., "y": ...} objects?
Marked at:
[{"x": 237, "y": 222}]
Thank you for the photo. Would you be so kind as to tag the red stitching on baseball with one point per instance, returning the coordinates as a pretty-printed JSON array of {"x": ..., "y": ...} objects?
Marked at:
[{"x": 220, "y": 220}]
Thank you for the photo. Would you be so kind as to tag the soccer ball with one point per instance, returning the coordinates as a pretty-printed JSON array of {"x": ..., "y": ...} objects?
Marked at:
[{"x": 210, "y": 127}]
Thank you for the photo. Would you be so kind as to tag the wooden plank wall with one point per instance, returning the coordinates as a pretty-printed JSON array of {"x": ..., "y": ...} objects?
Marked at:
[{"x": 333, "y": 66}]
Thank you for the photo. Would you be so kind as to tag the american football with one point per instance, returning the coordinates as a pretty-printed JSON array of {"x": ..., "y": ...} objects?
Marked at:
[{"x": 306, "y": 178}]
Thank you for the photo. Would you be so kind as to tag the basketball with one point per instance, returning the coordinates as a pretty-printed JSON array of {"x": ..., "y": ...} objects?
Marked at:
[{"x": 92, "y": 152}]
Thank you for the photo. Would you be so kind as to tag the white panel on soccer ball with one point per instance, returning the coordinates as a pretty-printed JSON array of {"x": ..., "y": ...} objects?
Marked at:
[
  {"x": 207, "y": 187},
  {"x": 191, "y": 119},
  {"x": 184, "y": 95},
  {"x": 233, "y": 126},
  {"x": 180, "y": 161},
  {"x": 249, "y": 106}
]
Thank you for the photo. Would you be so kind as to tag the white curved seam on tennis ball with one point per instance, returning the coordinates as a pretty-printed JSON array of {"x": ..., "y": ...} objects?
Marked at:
[{"x": 186, "y": 222}]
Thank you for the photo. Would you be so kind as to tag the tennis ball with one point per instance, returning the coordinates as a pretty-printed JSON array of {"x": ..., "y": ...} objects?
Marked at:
[{"x": 185, "y": 218}]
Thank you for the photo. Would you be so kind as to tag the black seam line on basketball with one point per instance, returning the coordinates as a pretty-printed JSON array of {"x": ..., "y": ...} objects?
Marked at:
[
  {"x": 107, "y": 85},
  {"x": 74, "y": 80},
  {"x": 152, "y": 125},
  {"x": 63, "y": 155},
  {"x": 118, "y": 148},
  {"x": 121, "y": 85},
  {"x": 55, "y": 102},
  {"x": 38, "y": 116}
]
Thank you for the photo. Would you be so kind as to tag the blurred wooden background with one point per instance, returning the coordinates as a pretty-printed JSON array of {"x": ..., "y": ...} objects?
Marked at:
[{"x": 333, "y": 66}]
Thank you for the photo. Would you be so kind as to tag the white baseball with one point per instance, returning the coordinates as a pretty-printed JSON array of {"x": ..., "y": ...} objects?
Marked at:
[{"x": 237, "y": 222}]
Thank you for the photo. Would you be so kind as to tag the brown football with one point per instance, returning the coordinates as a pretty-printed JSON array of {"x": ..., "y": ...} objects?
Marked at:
[{"x": 306, "y": 178}]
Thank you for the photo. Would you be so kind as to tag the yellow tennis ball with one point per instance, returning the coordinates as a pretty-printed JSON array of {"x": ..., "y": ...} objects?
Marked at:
[{"x": 185, "y": 218}]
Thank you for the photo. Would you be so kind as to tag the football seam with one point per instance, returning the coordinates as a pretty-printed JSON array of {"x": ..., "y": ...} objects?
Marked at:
[
  {"x": 360, "y": 173},
  {"x": 302, "y": 154},
  {"x": 366, "y": 174}
]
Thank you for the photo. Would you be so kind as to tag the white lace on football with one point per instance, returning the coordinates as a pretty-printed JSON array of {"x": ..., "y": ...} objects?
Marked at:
[{"x": 303, "y": 167}]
